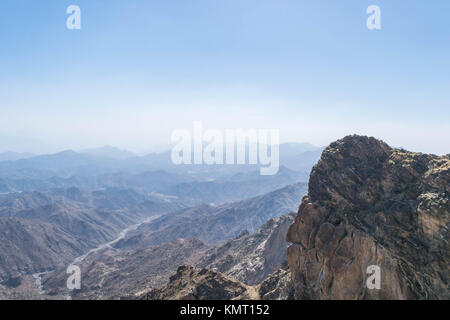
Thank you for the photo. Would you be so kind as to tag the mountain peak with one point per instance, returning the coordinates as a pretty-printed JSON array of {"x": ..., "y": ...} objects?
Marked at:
[{"x": 109, "y": 152}]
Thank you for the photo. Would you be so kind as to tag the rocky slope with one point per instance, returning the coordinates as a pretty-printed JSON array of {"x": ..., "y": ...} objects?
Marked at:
[
  {"x": 251, "y": 257},
  {"x": 118, "y": 274},
  {"x": 190, "y": 283},
  {"x": 44, "y": 231},
  {"x": 113, "y": 274},
  {"x": 367, "y": 205},
  {"x": 215, "y": 224},
  {"x": 370, "y": 204},
  {"x": 30, "y": 246},
  {"x": 251, "y": 266}
]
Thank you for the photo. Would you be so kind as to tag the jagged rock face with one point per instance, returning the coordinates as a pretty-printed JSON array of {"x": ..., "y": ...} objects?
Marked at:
[
  {"x": 369, "y": 204},
  {"x": 277, "y": 286},
  {"x": 251, "y": 257},
  {"x": 190, "y": 283}
]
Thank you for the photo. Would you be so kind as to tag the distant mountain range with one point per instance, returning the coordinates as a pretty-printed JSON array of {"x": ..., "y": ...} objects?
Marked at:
[
  {"x": 107, "y": 160},
  {"x": 56, "y": 208},
  {"x": 13, "y": 156},
  {"x": 214, "y": 224},
  {"x": 142, "y": 228},
  {"x": 109, "y": 167},
  {"x": 109, "y": 152}
]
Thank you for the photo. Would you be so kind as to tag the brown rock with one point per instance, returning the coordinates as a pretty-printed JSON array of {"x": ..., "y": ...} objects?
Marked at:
[
  {"x": 369, "y": 204},
  {"x": 190, "y": 283}
]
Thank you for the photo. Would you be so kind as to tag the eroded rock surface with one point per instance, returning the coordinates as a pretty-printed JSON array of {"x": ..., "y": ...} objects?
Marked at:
[
  {"x": 370, "y": 204},
  {"x": 251, "y": 257},
  {"x": 190, "y": 283}
]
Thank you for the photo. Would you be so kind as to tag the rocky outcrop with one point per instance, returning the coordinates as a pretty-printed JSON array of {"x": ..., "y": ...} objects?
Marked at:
[
  {"x": 190, "y": 283},
  {"x": 251, "y": 257},
  {"x": 369, "y": 204},
  {"x": 251, "y": 266},
  {"x": 277, "y": 286}
]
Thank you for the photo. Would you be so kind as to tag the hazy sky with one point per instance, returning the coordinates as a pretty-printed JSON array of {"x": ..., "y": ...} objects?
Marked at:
[{"x": 137, "y": 70}]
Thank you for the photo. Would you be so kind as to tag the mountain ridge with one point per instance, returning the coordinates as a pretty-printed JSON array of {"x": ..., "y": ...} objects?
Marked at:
[{"x": 368, "y": 205}]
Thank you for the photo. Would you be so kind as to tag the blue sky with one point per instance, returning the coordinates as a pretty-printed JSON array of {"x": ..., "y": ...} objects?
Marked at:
[{"x": 137, "y": 70}]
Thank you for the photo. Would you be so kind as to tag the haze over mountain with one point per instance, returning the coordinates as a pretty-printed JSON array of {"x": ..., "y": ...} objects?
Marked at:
[
  {"x": 109, "y": 159},
  {"x": 12, "y": 156},
  {"x": 170, "y": 234},
  {"x": 109, "y": 152},
  {"x": 58, "y": 207},
  {"x": 214, "y": 224},
  {"x": 98, "y": 97},
  {"x": 367, "y": 205},
  {"x": 42, "y": 231}
]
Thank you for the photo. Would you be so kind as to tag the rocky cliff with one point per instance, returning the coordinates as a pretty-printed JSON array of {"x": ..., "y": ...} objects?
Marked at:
[{"x": 369, "y": 204}]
